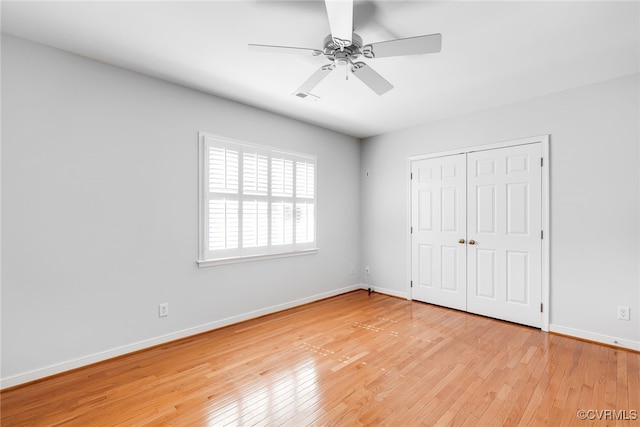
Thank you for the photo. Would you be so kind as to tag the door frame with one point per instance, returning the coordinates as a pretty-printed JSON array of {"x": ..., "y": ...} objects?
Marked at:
[{"x": 543, "y": 140}]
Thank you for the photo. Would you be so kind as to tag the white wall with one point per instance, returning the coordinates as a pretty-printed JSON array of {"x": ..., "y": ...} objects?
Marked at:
[
  {"x": 100, "y": 219},
  {"x": 595, "y": 194}
]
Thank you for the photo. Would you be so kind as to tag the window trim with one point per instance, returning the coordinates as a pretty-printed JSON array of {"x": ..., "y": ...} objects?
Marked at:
[
  {"x": 249, "y": 258},
  {"x": 227, "y": 256}
]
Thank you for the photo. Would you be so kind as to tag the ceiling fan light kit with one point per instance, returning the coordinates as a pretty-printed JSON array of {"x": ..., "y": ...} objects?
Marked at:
[{"x": 343, "y": 46}]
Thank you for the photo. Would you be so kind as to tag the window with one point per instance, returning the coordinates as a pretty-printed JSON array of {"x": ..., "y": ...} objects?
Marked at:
[{"x": 255, "y": 202}]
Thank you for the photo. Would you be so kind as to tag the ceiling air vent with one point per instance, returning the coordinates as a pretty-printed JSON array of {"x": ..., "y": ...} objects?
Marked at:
[{"x": 308, "y": 96}]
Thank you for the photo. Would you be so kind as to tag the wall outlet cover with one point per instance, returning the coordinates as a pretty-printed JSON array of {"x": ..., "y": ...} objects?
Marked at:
[
  {"x": 623, "y": 312},
  {"x": 163, "y": 309}
]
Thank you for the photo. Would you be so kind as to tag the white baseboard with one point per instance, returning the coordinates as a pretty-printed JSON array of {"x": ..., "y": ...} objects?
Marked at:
[
  {"x": 592, "y": 336},
  {"x": 119, "y": 351},
  {"x": 385, "y": 291}
]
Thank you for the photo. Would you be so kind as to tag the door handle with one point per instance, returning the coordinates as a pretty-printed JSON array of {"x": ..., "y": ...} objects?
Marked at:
[
  {"x": 472, "y": 242},
  {"x": 461, "y": 241}
]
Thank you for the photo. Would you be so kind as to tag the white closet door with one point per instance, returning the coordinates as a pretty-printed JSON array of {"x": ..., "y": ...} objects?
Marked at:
[
  {"x": 504, "y": 251},
  {"x": 439, "y": 223}
]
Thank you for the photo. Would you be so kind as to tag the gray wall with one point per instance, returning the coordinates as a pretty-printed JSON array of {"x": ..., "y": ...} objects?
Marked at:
[
  {"x": 99, "y": 209},
  {"x": 100, "y": 213},
  {"x": 595, "y": 194}
]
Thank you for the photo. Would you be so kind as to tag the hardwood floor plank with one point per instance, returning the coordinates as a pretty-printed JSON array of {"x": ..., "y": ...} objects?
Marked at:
[{"x": 354, "y": 359}]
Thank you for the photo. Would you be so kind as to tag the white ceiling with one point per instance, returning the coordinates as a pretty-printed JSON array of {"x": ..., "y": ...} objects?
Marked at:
[{"x": 493, "y": 53}]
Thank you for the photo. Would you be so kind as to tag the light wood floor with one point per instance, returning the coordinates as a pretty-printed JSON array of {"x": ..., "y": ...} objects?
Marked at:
[{"x": 355, "y": 359}]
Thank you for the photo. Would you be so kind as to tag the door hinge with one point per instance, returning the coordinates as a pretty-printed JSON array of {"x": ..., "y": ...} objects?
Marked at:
[
  {"x": 412, "y": 229},
  {"x": 542, "y": 234},
  {"x": 541, "y": 161},
  {"x": 411, "y": 175},
  {"x": 412, "y": 283},
  {"x": 540, "y": 307}
]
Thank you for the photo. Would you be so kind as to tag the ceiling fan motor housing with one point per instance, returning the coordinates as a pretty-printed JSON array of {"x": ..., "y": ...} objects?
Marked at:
[{"x": 342, "y": 55}]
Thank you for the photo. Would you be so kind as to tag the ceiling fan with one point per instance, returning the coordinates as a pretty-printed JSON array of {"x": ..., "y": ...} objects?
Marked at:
[{"x": 343, "y": 47}]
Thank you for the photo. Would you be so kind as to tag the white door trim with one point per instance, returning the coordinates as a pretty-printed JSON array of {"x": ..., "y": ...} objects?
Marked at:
[{"x": 543, "y": 140}]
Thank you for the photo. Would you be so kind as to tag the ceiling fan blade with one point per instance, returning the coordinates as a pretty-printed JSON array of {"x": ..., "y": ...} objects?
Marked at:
[
  {"x": 283, "y": 49},
  {"x": 368, "y": 76},
  {"x": 431, "y": 43},
  {"x": 340, "y": 13},
  {"x": 315, "y": 78}
]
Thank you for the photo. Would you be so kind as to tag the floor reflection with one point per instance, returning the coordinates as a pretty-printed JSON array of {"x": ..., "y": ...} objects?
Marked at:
[{"x": 281, "y": 394}]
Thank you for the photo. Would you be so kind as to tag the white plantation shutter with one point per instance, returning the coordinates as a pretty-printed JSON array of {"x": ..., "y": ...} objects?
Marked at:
[
  {"x": 255, "y": 201},
  {"x": 305, "y": 208},
  {"x": 223, "y": 212},
  {"x": 255, "y": 174},
  {"x": 305, "y": 179},
  {"x": 305, "y": 222},
  {"x": 281, "y": 223},
  {"x": 223, "y": 170},
  {"x": 255, "y": 210},
  {"x": 281, "y": 177},
  {"x": 255, "y": 224},
  {"x": 223, "y": 224}
]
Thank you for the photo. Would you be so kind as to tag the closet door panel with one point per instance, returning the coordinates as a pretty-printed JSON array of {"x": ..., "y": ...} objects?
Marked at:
[
  {"x": 438, "y": 203},
  {"x": 504, "y": 225}
]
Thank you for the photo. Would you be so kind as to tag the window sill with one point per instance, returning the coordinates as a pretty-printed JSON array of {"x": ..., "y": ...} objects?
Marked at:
[{"x": 249, "y": 258}]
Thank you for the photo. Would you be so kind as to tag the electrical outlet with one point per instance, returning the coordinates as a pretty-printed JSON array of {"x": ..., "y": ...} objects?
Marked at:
[
  {"x": 163, "y": 309},
  {"x": 353, "y": 269},
  {"x": 623, "y": 312},
  {"x": 367, "y": 270}
]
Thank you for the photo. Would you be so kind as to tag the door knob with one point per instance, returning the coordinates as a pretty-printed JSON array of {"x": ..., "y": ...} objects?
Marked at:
[
  {"x": 461, "y": 241},
  {"x": 472, "y": 242}
]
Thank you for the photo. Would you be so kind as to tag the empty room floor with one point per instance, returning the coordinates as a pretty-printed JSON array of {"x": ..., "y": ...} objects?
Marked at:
[{"x": 354, "y": 359}]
